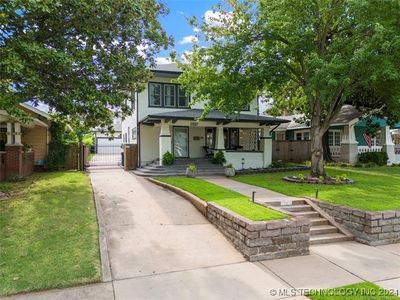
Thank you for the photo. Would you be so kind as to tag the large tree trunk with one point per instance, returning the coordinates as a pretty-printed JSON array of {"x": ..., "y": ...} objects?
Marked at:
[
  {"x": 327, "y": 150},
  {"x": 317, "y": 152},
  {"x": 317, "y": 148}
]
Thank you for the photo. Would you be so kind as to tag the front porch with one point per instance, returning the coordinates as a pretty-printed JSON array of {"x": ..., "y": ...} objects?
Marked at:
[
  {"x": 246, "y": 141},
  {"x": 348, "y": 149},
  {"x": 21, "y": 146}
]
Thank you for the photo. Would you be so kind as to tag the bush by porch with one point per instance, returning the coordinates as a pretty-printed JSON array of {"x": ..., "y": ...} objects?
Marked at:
[{"x": 374, "y": 189}]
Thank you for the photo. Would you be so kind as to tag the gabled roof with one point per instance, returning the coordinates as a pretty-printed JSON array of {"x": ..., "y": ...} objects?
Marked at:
[
  {"x": 347, "y": 114},
  {"x": 166, "y": 70},
  {"x": 216, "y": 116}
]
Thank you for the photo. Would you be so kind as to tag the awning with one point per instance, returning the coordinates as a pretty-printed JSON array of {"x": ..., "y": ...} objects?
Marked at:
[{"x": 215, "y": 116}]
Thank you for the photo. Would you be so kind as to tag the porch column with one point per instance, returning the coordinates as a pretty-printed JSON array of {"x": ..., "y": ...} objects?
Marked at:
[
  {"x": 388, "y": 145},
  {"x": 9, "y": 133},
  {"x": 349, "y": 144},
  {"x": 17, "y": 133},
  {"x": 266, "y": 139},
  {"x": 164, "y": 140},
  {"x": 220, "y": 143}
]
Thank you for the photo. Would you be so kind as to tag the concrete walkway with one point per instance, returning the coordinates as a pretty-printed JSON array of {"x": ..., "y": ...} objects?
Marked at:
[
  {"x": 161, "y": 247},
  {"x": 262, "y": 195}
]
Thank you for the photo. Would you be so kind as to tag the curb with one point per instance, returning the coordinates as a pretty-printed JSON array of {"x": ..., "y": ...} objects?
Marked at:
[{"x": 104, "y": 257}]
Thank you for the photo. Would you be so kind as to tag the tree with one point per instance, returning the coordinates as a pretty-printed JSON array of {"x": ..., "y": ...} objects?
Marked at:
[
  {"x": 333, "y": 52},
  {"x": 83, "y": 58}
]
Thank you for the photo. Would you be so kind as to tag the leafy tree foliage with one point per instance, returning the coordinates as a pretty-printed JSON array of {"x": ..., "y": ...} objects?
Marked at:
[
  {"x": 314, "y": 55},
  {"x": 81, "y": 57}
]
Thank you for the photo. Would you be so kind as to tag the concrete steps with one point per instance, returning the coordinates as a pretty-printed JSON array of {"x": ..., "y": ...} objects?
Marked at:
[
  {"x": 204, "y": 167},
  {"x": 321, "y": 229}
]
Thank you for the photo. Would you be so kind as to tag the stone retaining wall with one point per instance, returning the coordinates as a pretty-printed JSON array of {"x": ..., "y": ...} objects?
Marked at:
[
  {"x": 262, "y": 240},
  {"x": 371, "y": 228}
]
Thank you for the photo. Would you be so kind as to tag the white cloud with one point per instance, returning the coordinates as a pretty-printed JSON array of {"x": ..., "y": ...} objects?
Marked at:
[
  {"x": 190, "y": 39},
  {"x": 163, "y": 60},
  {"x": 196, "y": 29},
  {"x": 216, "y": 18},
  {"x": 185, "y": 56},
  {"x": 142, "y": 49}
]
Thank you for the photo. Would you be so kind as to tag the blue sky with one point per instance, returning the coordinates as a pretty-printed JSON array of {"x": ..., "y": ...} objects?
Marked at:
[{"x": 175, "y": 23}]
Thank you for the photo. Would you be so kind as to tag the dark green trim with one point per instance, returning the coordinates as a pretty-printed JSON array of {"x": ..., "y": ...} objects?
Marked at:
[{"x": 162, "y": 100}]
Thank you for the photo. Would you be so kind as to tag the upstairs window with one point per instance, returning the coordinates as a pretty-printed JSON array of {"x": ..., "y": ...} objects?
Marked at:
[
  {"x": 169, "y": 95},
  {"x": 155, "y": 94},
  {"x": 183, "y": 99}
]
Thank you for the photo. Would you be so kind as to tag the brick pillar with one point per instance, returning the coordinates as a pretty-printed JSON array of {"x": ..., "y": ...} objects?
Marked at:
[{"x": 13, "y": 160}]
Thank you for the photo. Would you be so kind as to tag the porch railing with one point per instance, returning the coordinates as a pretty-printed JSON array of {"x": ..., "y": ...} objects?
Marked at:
[
  {"x": 335, "y": 151},
  {"x": 363, "y": 149}
]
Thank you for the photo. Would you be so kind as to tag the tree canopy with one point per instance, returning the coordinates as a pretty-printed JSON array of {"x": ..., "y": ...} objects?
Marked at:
[
  {"x": 324, "y": 53},
  {"x": 83, "y": 58}
]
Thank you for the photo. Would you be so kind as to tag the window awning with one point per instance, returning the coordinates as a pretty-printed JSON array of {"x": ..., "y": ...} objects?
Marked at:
[{"x": 215, "y": 116}]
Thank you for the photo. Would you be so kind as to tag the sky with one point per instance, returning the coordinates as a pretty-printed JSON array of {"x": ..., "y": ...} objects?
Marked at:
[{"x": 176, "y": 24}]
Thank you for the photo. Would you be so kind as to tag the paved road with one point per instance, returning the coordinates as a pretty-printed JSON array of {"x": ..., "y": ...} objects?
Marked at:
[{"x": 161, "y": 247}]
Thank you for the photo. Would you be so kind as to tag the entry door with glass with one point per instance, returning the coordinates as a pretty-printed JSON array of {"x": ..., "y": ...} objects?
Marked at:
[{"x": 181, "y": 141}]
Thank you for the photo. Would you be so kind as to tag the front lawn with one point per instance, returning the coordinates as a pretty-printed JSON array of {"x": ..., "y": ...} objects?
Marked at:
[
  {"x": 48, "y": 233},
  {"x": 374, "y": 188},
  {"x": 358, "y": 291},
  {"x": 231, "y": 200}
]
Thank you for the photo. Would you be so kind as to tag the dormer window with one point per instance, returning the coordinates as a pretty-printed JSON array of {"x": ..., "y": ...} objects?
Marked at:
[{"x": 167, "y": 95}]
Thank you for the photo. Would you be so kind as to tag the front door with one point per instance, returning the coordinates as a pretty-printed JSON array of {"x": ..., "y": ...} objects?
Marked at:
[{"x": 181, "y": 141}]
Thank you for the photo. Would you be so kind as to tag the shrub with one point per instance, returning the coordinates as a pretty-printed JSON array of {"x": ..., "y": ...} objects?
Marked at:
[
  {"x": 192, "y": 168},
  {"x": 379, "y": 158},
  {"x": 229, "y": 166},
  {"x": 370, "y": 165},
  {"x": 219, "y": 158},
  {"x": 168, "y": 159},
  {"x": 358, "y": 165},
  {"x": 278, "y": 164}
]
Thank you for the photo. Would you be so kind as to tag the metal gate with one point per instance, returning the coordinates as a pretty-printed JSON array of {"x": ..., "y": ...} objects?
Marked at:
[{"x": 107, "y": 153}]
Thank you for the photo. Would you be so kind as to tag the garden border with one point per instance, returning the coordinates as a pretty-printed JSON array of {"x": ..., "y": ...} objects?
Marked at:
[{"x": 256, "y": 240}]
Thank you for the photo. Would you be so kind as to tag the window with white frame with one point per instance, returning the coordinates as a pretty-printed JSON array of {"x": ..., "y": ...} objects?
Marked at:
[
  {"x": 334, "y": 137},
  {"x": 377, "y": 139},
  {"x": 169, "y": 95},
  {"x": 183, "y": 99},
  {"x": 303, "y": 135},
  {"x": 134, "y": 133},
  {"x": 155, "y": 94}
]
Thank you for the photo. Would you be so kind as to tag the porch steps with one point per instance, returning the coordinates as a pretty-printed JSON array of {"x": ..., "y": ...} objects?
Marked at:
[
  {"x": 204, "y": 167},
  {"x": 322, "y": 230}
]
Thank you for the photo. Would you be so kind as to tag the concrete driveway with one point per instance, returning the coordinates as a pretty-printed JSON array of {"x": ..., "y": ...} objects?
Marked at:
[{"x": 160, "y": 247}]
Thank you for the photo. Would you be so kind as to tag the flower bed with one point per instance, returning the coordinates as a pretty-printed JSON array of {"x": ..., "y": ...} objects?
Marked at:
[{"x": 313, "y": 180}]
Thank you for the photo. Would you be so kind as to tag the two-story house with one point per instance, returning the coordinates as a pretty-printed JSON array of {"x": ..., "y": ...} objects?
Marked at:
[{"x": 164, "y": 120}]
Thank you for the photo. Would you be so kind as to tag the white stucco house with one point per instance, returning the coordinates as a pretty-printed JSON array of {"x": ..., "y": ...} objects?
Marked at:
[{"x": 164, "y": 119}]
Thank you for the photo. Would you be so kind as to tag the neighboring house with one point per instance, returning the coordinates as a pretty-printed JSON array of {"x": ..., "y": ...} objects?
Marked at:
[
  {"x": 164, "y": 119},
  {"x": 22, "y": 146},
  {"x": 347, "y": 135}
]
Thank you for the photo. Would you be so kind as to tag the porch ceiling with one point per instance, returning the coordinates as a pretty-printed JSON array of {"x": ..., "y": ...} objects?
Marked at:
[{"x": 215, "y": 116}]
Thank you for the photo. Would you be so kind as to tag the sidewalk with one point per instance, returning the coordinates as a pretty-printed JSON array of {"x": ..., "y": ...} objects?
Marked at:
[{"x": 262, "y": 195}]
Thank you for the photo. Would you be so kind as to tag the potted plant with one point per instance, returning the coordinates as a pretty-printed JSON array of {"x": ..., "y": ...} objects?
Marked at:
[
  {"x": 168, "y": 159},
  {"x": 191, "y": 170},
  {"x": 229, "y": 170}
]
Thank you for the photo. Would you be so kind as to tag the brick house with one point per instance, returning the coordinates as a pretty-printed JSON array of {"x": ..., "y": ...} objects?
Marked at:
[{"x": 23, "y": 146}]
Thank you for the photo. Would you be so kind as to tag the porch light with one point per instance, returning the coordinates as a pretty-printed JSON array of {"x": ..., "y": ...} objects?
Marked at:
[{"x": 242, "y": 163}]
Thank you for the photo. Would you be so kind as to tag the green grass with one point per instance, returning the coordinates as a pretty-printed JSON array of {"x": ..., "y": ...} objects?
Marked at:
[
  {"x": 48, "y": 233},
  {"x": 358, "y": 291},
  {"x": 231, "y": 200},
  {"x": 374, "y": 188}
]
